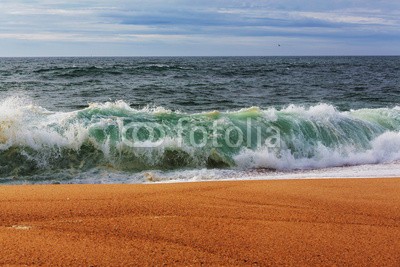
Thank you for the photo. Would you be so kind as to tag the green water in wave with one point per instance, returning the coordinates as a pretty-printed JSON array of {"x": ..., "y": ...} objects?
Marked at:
[{"x": 114, "y": 136}]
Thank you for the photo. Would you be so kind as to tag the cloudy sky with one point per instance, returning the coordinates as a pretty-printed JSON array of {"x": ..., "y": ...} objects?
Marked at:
[{"x": 199, "y": 27}]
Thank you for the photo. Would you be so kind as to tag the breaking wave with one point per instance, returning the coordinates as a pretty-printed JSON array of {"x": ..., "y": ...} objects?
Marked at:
[{"x": 113, "y": 136}]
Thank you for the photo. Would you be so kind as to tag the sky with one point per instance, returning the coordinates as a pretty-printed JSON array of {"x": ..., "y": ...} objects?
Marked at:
[{"x": 199, "y": 28}]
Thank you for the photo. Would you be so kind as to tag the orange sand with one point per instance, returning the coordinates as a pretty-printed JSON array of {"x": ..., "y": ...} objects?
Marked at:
[{"x": 292, "y": 222}]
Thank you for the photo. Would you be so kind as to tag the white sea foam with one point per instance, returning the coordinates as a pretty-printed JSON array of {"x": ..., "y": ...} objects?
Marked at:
[
  {"x": 384, "y": 149},
  {"x": 316, "y": 141}
]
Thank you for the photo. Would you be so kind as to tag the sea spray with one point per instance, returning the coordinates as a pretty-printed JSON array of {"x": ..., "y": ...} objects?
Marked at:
[{"x": 35, "y": 142}]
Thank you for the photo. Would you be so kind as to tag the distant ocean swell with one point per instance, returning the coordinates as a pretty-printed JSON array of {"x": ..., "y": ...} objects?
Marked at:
[
  {"x": 75, "y": 71},
  {"x": 112, "y": 135}
]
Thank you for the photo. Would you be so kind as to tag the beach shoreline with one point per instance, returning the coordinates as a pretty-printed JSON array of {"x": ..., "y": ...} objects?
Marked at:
[{"x": 259, "y": 222}]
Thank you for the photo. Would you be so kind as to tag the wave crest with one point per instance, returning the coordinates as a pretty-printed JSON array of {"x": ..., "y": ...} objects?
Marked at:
[{"x": 113, "y": 135}]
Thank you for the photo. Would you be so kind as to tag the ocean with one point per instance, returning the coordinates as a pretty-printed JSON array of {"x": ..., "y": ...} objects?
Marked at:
[{"x": 176, "y": 119}]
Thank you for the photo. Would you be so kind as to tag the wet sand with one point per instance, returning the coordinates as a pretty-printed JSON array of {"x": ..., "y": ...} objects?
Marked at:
[{"x": 286, "y": 222}]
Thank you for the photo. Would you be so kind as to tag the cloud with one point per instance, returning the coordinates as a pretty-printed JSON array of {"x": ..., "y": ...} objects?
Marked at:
[{"x": 202, "y": 22}]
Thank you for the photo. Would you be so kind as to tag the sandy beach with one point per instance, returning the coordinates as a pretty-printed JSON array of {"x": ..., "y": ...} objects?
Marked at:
[{"x": 286, "y": 222}]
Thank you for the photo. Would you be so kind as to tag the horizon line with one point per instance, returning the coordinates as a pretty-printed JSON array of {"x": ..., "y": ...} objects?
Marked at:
[{"x": 159, "y": 56}]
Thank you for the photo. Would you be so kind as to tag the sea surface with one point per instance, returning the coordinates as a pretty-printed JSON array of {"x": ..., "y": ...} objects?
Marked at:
[{"x": 155, "y": 119}]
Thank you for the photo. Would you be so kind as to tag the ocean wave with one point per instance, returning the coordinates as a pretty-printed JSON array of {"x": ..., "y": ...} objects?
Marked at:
[
  {"x": 94, "y": 71},
  {"x": 114, "y": 136}
]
